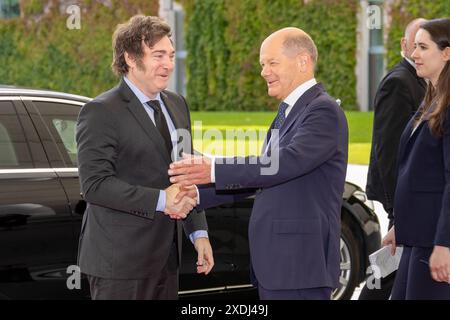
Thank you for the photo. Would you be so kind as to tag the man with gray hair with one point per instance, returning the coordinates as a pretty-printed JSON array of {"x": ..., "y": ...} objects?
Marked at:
[
  {"x": 398, "y": 96},
  {"x": 294, "y": 228}
]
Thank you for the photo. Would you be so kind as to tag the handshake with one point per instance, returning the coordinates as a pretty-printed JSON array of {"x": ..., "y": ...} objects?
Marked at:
[
  {"x": 181, "y": 196},
  {"x": 180, "y": 200}
]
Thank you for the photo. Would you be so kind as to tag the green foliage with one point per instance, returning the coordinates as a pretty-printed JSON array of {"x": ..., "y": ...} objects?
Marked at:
[
  {"x": 40, "y": 51},
  {"x": 32, "y": 7},
  {"x": 402, "y": 12},
  {"x": 223, "y": 39}
]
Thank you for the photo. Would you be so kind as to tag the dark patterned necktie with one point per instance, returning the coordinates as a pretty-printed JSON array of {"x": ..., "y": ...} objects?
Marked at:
[
  {"x": 161, "y": 123},
  {"x": 281, "y": 116},
  {"x": 277, "y": 122}
]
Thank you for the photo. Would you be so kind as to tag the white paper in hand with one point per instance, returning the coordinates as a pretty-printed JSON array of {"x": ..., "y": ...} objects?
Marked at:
[{"x": 383, "y": 261}]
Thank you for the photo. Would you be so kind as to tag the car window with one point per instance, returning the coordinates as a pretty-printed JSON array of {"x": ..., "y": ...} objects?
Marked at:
[
  {"x": 66, "y": 131},
  {"x": 14, "y": 149},
  {"x": 61, "y": 120},
  {"x": 8, "y": 156}
]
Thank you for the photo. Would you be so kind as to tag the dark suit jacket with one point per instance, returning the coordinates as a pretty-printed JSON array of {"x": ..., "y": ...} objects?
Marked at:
[
  {"x": 422, "y": 196},
  {"x": 123, "y": 164},
  {"x": 399, "y": 95},
  {"x": 294, "y": 229}
]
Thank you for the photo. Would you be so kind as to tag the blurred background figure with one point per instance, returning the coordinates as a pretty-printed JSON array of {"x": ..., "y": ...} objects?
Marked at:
[
  {"x": 398, "y": 96},
  {"x": 422, "y": 198}
]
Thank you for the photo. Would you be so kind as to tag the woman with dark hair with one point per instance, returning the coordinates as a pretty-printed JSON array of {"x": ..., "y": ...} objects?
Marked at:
[{"x": 422, "y": 197}]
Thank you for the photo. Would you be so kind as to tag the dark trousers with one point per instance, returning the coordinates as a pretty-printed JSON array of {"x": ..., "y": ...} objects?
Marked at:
[
  {"x": 414, "y": 281},
  {"x": 163, "y": 286},
  {"x": 298, "y": 294}
]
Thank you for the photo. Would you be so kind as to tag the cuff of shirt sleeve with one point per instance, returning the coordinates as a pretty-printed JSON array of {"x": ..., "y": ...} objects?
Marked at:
[
  {"x": 198, "y": 234},
  {"x": 161, "y": 201}
]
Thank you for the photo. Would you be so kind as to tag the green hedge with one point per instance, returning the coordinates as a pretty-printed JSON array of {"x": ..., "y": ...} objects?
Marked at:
[
  {"x": 402, "y": 12},
  {"x": 223, "y": 39},
  {"x": 40, "y": 51}
]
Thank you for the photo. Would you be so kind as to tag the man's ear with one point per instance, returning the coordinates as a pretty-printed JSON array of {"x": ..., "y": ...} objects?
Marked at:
[
  {"x": 403, "y": 44},
  {"x": 302, "y": 61},
  {"x": 129, "y": 60}
]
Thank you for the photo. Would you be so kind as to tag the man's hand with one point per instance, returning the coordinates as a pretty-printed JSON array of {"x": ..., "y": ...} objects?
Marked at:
[
  {"x": 205, "y": 260},
  {"x": 178, "y": 209},
  {"x": 191, "y": 170},
  {"x": 187, "y": 191}
]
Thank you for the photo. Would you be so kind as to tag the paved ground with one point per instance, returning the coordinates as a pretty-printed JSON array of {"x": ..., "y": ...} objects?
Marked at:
[{"x": 357, "y": 174}]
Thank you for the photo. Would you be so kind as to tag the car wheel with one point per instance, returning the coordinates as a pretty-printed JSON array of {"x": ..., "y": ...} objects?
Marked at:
[{"x": 348, "y": 278}]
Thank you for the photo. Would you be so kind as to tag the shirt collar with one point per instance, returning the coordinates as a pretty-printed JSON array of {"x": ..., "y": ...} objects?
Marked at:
[
  {"x": 292, "y": 98},
  {"x": 411, "y": 62},
  {"x": 408, "y": 59},
  {"x": 138, "y": 93}
]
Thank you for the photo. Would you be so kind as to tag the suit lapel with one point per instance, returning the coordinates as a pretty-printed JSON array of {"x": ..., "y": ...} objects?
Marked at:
[
  {"x": 267, "y": 139},
  {"x": 408, "y": 136},
  {"x": 405, "y": 138},
  {"x": 425, "y": 119},
  {"x": 141, "y": 116},
  {"x": 173, "y": 110},
  {"x": 300, "y": 106},
  {"x": 180, "y": 122}
]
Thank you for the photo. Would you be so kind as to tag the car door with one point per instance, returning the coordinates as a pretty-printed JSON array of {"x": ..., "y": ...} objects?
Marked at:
[
  {"x": 36, "y": 239},
  {"x": 55, "y": 120}
]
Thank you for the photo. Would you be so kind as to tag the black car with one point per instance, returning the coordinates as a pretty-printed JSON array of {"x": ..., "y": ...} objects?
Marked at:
[{"x": 41, "y": 211}]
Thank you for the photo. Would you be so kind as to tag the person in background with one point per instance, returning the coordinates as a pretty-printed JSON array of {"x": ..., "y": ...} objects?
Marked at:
[
  {"x": 398, "y": 96},
  {"x": 422, "y": 195}
]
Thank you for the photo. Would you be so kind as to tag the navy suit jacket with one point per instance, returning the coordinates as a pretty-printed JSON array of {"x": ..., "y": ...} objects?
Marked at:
[
  {"x": 422, "y": 196},
  {"x": 294, "y": 229}
]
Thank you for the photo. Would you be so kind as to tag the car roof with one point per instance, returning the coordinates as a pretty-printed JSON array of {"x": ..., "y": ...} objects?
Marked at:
[{"x": 6, "y": 90}]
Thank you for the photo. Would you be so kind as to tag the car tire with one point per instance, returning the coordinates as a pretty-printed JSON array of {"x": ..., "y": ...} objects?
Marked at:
[{"x": 350, "y": 264}]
